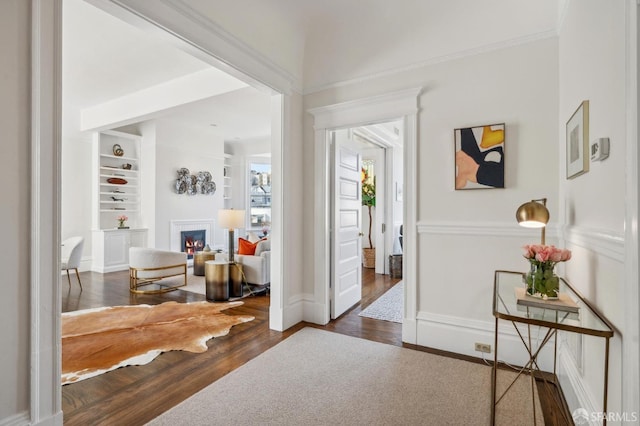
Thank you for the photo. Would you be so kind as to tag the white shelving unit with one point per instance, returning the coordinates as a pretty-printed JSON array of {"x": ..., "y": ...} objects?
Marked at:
[
  {"x": 227, "y": 188},
  {"x": 116, "y": 192}
]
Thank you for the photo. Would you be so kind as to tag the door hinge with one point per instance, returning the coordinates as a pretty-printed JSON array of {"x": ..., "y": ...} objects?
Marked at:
[{"x": 384, "y": 228}]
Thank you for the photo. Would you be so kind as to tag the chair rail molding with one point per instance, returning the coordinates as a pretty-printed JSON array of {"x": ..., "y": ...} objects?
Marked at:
[
  {"x": 603, "y": 242},
  {"x": 486, "y": 229}
]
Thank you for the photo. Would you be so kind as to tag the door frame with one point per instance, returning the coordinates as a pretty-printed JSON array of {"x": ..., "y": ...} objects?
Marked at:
[
  {"x": 171, "y": 19},
  {"x": 401, "y": 105},
  {"x": 385, "y": 159}
]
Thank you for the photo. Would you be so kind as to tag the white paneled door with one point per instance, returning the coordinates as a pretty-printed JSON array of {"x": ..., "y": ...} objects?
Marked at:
[{"x": 346, "y": 277}]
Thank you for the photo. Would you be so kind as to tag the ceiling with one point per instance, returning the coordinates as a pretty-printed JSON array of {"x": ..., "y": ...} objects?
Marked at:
[
  {"x": 321, "y": 42},
  {"x": 105, "y": 58}
]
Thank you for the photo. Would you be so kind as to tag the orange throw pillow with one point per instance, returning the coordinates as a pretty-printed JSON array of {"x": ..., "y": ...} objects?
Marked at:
[{"x": 247, "y": 247}]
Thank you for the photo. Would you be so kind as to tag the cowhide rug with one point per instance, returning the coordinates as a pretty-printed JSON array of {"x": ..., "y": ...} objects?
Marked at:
[{"x": 95, "y": 341}]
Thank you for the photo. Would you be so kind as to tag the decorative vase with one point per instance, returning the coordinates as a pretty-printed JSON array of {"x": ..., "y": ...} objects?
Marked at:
[
  {"x": 121, "y": 224},
  {"x": 542, "y": 281}
]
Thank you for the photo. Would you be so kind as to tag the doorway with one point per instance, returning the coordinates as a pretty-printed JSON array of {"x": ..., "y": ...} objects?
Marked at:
[
  {"x": 275, "y": 103},
  {"x": 366, "y": 207},
  {"x": 402, "y": 106}
]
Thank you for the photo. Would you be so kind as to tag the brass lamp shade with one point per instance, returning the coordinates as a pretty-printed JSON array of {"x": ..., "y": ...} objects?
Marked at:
[{"x": 532, "y": 215}]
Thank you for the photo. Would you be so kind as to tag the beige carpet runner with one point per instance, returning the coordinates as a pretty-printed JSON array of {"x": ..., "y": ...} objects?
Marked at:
[
  {"x": 95, "y": 341},
  {"x": 316, "y": 377}
]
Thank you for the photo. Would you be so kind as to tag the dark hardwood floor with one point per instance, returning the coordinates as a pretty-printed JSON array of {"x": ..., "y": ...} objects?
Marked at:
[{"x": 136, "y": 394}]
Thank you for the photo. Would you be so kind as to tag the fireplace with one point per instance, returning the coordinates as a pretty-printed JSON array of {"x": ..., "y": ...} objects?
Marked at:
[
  {"x": 192, "y": 241},
  {"x": 177, "y": 227}
]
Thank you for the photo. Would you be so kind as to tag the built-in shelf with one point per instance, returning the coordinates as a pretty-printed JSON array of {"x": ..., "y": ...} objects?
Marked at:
[
  {"x": 227, "y": 181},
  {"x": 111, "y": 245}
]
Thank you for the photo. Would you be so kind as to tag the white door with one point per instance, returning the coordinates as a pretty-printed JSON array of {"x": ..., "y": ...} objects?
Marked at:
[{"x": 346, "y": 275}]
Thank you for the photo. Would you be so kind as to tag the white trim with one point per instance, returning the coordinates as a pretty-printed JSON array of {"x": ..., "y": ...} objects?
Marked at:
[
  {"x": 631, "y": 302},
  {"x": 181, "y": 25},
  {"x": 459, "y": 335},
  {"x": 46, "y": 106},
  {"x": 375, "y": 109},
  {"x": 484, "y": 229},
  {"x": 279, "y": 316},
  {"x": 583, "y": 395},
  {"x": 386, "y": 107},
  {"x": 438, "y": 60},
  {"x": 16, "y": 420},
  {"x": 603, "y": 242}
]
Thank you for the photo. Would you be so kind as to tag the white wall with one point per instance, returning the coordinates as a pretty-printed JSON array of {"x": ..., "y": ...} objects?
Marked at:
[
  {"x": 15, "y": 81},
  {"x": 592, "y": 67},
  {"x": 180, "y": 146},
  {"x": 387, "y": 36},
  {"x": 455, "y": 273}
]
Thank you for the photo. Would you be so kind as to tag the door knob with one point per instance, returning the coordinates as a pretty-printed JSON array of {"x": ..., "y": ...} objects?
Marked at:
[{"x": 360, "y": 234}]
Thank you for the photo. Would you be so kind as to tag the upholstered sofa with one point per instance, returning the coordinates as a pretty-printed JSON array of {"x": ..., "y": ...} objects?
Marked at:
[{"x": 149, "y": 266}]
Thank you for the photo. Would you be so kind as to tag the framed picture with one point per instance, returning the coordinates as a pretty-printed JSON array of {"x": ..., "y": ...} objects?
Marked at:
[
  {"x": 479, "y": 157},
  {"x": 578, "y": 141}
]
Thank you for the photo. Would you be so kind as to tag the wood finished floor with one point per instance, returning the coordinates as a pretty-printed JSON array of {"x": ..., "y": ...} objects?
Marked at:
[{"x": 136, "y": 394}]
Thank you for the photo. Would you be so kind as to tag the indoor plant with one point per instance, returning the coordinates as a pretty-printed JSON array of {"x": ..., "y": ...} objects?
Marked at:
[
  {"x": 541, "y": 279},
  {"x": 369, "y": 200}
]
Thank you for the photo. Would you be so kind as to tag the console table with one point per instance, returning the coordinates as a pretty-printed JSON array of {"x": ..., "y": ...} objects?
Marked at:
[{"x": 579, "y": 317}]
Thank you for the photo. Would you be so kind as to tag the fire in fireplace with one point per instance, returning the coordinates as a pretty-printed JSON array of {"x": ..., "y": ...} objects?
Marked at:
[{"x": 192, "y": 241}]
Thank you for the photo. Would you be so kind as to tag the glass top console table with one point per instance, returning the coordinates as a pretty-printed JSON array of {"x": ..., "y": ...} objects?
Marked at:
[{"x": 571, "y": 313}]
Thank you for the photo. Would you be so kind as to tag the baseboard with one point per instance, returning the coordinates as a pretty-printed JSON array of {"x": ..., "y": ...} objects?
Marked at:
[
  {"x": 315, "y": 313},
  {"x": 21, "y": 419},
  {"x": 576, "y": 394},
  {"x": 55, "y": 420},
  {"x": 410, "y": 331},
  {"x": 16, "y": 419},
  {"x": 459, "y": 335},
  {"x": 293, "y": 311}
]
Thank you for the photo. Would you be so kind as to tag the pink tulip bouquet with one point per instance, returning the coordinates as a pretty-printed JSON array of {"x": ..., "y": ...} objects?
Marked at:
[
  {"x": 121, "y": 220},
  {"x": 541, "y": 279}
]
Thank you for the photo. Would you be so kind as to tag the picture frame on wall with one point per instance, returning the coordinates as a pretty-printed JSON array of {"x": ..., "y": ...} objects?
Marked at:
[
  {"x": 479, "y": 157},
  {"x": 577, "y": 141}
]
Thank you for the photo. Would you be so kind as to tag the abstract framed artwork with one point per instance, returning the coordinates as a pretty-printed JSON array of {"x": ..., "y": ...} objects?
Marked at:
[
  {"x": 479, "y": 157},
  {"x": 578, "y": 141}
]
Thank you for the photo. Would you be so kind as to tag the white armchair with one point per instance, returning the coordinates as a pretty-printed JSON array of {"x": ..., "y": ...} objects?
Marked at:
[
  {"x": 256, "y": 268},
  {"x": 148, "y": 265},
  {"x": 71, "y": 254}
]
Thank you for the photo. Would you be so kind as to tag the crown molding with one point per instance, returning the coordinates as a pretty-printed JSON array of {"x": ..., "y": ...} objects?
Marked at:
[{"x": 437, "y": 60}]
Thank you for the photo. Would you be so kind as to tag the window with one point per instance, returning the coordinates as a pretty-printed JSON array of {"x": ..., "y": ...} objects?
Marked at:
[{"x": 260, "y": 197}]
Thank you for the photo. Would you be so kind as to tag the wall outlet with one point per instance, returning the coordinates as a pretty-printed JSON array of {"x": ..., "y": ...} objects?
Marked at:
[{"x": 483, "y": 347}]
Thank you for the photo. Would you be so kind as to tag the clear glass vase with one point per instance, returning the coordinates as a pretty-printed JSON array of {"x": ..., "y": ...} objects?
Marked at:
[{"x": 542, "y": 281}]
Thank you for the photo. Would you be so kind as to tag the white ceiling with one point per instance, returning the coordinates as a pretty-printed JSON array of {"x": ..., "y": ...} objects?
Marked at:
[
  {"x": 320, "y": 42},
  {"x": 105, "y": 58},
  {"x": 332, "y": 41}
]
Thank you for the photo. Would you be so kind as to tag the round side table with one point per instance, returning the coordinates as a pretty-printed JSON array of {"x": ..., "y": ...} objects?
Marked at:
[
  {"x": 199, "y": 258},
  {"x": 216, "y": 278}
]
